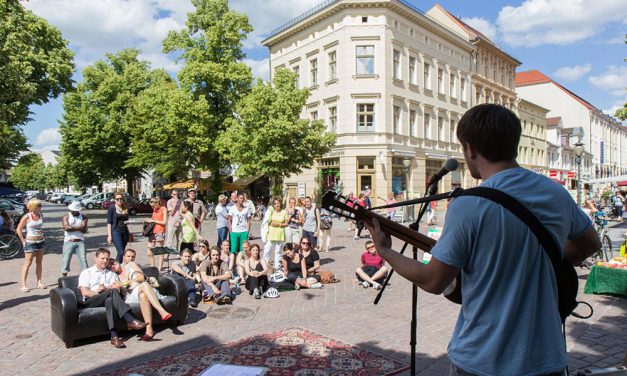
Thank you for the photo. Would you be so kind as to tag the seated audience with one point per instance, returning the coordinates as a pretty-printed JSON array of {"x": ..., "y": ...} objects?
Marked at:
[
  {"x": 240, "y": 261},
  {"x": 372, "y": 271},
  {"x": 203, "y": 253},
  {"x": 100, "y": 287},
  {"x": 312, "y": 259},
  {"x": 186, "y": 268},
  {"x": 138, "y": 291},
  {"x": 257, "y": 272},
  {"x": 215, "y": 276},
  {"x": 227, "y": 256},
  {"x": 294, "y": 265}
]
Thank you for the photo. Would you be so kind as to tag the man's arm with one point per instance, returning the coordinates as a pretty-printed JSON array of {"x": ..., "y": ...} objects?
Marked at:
[
  {"x": 203, "y": 211},
  {"x": 433, "y": 277},
  {"x": 87, "y": 292},
  {"x": 577, "y": 250},
  {"x": 83, "y": 227}
]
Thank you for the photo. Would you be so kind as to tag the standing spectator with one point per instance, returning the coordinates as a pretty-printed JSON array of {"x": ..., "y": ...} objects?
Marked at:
[
  {"x": 276, "y": 219},
  {"x": 157, "y": 238},
  {"x": 6, "y": 222},
  {"x": 249, "y": 204},
  {"x": 311, "y": 222},
  {"x": 257, "y": 271},
  {"x": 433, "y": 206},
  {"x": 326, "y": 224},
  {"x": 198, "y": 209},
  {"x": 372, "y": 271},
  {"x": 174, "y": 220},
  {"x": 350, "y": 202},
  {"x": 33, "y": 243},
  {"x": 618, "y": 205},
  {"x": 117, "y": 231},
  {"x": 221, "y": 222},
  {"x": 186, "y": 268},
  {"x": 74, "y": 226},
  {"x": 232, "y": 201},
  {"x": 238, "y": 220},
  {"x": 391, "y": 211},
  {"x": 367, "y": 201},
  {"x": 295, "y": 216},
  {"x": 190, "y": 232},
  {"x": 361, "y": 201},
  {"x": 215, "y": 277}
]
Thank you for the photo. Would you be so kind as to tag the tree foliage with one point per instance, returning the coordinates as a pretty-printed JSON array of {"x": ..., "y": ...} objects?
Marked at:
[
  {"x": 621, "y": 113},
  {"x": 268, "y": 136},
  {"x": 35, "y": 65},
  {"x": 211, "y": 48},
  {"x": 98, "y": 122},
  {"x": 29, "y": 172}
]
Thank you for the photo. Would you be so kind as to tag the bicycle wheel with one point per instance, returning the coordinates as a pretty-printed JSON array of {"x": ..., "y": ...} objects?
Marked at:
[
  {"x": 10, "y": 244},
  {"x": 606, "y": 248}
]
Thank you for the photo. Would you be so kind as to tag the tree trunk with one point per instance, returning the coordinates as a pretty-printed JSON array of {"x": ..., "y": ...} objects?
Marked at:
[{"x": 129, "y": 185}]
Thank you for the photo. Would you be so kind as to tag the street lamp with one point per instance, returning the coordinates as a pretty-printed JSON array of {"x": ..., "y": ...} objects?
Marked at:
[
  {"x": 407, "y": 165},
  {"x": 579, "y": 150}
]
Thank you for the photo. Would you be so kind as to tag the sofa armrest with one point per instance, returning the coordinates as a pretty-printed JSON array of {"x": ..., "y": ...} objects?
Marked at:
[
  {"x": 174, "y": 285},
  {"x": 64, "y": 314}
]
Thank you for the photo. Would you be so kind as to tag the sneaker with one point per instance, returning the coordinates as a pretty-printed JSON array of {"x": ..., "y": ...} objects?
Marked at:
[
  {"x": 316, "y": 285},
  {"x": 296, "y": 286},
  {"x": 220, "y": 300},
  {"x": 365, "y": 284},
  {"x": 237, "y": 279},
  {"x": 376, "y": 286},
  {"x": 257, "y": 293},
  {"x": 226, "y": 299}
]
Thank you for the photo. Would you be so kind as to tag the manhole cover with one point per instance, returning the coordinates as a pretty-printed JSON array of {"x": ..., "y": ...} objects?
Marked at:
[
  {"x": 23, "y": 336},
  {"x": 230, "y": 312}
]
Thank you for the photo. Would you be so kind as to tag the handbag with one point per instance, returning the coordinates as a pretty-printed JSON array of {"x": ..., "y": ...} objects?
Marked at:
[
  {"x": 149, "y": 228},
  {"x": 327, "y": 277}
]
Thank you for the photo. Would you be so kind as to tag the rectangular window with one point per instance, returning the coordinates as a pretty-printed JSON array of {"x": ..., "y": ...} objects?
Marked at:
[
  {"x": 440, "y": 81},
  {"x": 452, "y": 137},
  {"x": 463, "y": 87},
  {"x": 397, "y": 119},
  {"x": 332, "y": 119},
  {"x": 397, "y": 64},
  {"x": 427, "y": 76},
  {"x": 413, "y": 77},
  {"x": 314, "y": 115},
  {"x": 314, "y": 71},
  {"x": 452, "y": 88},
  {"x": 440, "y": 128},
  {"x": 364, "y": 59},
  {"x": 412, "y": 123},
  {"x": 332, "y": 65},
  {"x": 365, "y": 117},
  {"x": 297, "y": 73},
  {"x": 427, "y": 126}
]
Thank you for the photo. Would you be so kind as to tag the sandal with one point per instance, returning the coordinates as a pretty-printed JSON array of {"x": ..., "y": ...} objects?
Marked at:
[
  {"x": 24, "y": 289},
  {"x": 42, "y": 286},
  {"x": 166, "y": 317}
]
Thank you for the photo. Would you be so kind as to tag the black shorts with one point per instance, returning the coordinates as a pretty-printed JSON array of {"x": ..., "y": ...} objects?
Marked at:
[{"x": 370, "y": 270}]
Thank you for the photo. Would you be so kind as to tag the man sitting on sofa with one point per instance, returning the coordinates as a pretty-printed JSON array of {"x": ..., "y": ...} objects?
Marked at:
[{"x": 100, "y": 287}]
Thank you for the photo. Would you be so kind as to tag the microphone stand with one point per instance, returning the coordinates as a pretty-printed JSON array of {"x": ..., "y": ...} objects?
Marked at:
[{"x": 431, "y": 191}]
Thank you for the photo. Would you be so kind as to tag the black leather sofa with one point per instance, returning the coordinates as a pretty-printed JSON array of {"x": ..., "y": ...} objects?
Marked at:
[{"x": 71, "y": 321}]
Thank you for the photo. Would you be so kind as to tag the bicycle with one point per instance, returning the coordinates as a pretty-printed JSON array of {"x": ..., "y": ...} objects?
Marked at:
[
  {"x": 211, "y": 211},
  {"x": 605, "y": 253},
  {"x": 10, "y": 244}
]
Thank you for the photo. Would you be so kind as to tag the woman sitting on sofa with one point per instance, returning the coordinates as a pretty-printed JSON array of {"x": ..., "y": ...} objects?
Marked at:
[{"x": 139, "y": 291}]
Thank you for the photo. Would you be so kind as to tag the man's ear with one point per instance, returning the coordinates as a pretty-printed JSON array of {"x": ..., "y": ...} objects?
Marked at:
[{"x": 471, "y": 151}]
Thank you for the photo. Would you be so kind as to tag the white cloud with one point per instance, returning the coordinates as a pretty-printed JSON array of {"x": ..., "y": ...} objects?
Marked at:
[
  {"x": 613, "y": 80},
  {"x": 48, "y": 137},
  {"x": 537, "y": 22},
  {"x": 260, "y": 68},
  {"x": 483, "y": 25},
  {"x": 571, "y": 74}
]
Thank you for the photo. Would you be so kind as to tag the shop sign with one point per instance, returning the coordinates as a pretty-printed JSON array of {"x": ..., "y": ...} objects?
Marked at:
[
  {"x": 553, "y": 173},
  {"x": 301, "y": 189},
  {"x": 571, "y": 174}
]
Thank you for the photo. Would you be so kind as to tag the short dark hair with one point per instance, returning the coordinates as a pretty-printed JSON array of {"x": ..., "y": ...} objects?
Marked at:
[
  {"x": 100, "y": 251},
  {"x": 187, "y": 250},
  {"x": 188, "y": 205},
  {"x": 130, "y": 250},
  {"x": 493, "y": 131}
]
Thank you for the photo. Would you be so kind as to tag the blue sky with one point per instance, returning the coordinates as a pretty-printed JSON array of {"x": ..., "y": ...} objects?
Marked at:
[{"x": 579, "y": 43}]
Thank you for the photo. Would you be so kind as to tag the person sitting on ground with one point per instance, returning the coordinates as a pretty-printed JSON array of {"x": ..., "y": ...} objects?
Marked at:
[
  {"x": 215, "y": 277},
  {"x": 372, "y": 271},
  {"x": 100, "y": 287},
  {"x": 312, "y": 259},
  {"x": 241, "y": 259},
  {"x": 257, "y": 272},
  {"x": 203, "y": 253},
  {"x": 294, "y": 265},
  {"x": 186, "y": 268},
  {"x": 226, "y": 255}
]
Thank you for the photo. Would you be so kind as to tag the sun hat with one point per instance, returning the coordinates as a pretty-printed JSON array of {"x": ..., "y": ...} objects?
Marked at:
[
  {"x": 75, "y": 206},
  {"x": 191, "y": 190}
]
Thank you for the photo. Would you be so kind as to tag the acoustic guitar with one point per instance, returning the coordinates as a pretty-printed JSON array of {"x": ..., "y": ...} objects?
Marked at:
[{"x": 338, "y": 204}]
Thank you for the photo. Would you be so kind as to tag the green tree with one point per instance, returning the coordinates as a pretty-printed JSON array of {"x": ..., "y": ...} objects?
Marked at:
[
  {"x": 621, "y": 113},
  {"x": 211, "y": 48},
  {"x": 98, "y": 121},
  {"x": 29, "y": 172},
  {"x": 268, "y": 136},
  {"x": 35, "y": 65},
  {"x": 56, "y": 176}
]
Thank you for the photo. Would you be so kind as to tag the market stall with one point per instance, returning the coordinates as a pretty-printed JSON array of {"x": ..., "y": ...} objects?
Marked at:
[{"x": 608, "y": 278}]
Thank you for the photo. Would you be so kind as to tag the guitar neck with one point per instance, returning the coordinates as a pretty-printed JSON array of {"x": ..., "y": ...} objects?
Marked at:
[{"x": 397, "y": 230}]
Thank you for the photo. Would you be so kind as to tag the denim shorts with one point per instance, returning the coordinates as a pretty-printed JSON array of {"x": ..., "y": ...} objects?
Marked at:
[{"x": 33, "y": 246}]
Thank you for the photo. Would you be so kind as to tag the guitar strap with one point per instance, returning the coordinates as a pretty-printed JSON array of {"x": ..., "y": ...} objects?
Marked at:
[{"x": 565, "y": 275}]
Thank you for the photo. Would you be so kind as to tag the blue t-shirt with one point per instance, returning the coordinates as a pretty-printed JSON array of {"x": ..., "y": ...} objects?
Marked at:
[{"x": 508, "y": 323}]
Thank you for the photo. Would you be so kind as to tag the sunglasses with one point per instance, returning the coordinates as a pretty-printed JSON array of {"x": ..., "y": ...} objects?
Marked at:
[
  {"x": 371, "y": 247},
  {"x": 202, "y": 246},
  {"x": 304, "y": 243},
  {"x": 119, "y": 199}
]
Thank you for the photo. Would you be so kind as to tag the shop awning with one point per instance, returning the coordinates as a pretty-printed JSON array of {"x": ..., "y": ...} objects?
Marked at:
[
  {"x": 240, "y": 183},
  {"x": 203, "y": 184},
  {"x": 622, "y": 183}
]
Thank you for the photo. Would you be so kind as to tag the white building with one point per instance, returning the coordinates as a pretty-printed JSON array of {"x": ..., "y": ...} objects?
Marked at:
[
  {"x": 603, "y": 136},
  {"x": 392, "y": 81}
]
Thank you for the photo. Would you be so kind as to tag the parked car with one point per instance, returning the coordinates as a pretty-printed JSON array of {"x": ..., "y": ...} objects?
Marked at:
[
  {"x": 67, "y": 199},
  {"x": 95, "y": 201},
  {"x": 134, "y": 205},
  {"x": 55, "y": 197},
  {"x": 21, "y": 207}
]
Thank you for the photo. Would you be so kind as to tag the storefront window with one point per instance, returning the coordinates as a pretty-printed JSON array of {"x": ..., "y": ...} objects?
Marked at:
[
  {"x": 457, "y": 177},
  {"x": 330, "y": 175},
  {"x": 399, "y": 177}
]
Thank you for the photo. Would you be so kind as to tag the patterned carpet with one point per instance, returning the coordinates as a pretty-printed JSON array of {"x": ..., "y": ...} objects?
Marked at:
[{"x": 292, "y": 351}]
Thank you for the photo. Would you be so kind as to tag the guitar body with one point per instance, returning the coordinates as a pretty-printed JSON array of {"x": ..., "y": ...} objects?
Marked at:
[{"x": 337, "y": 204}]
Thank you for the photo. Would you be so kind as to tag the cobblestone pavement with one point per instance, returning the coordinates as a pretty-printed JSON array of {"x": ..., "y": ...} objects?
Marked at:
[{"x": 343, "y": 311}]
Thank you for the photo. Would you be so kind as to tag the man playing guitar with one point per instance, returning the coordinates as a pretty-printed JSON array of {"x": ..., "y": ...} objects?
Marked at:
[{"x": 509, "y": 322}]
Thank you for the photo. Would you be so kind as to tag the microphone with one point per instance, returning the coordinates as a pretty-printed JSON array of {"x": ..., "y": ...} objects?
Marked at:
[{"x": 450, "y": 165}]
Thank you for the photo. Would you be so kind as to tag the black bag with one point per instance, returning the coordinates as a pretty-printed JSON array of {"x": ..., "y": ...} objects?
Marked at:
[{"x": 148, "y": 229}]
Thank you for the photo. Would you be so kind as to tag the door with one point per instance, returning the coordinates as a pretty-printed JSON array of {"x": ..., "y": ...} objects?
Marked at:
[{"x": 364, "y": 181}]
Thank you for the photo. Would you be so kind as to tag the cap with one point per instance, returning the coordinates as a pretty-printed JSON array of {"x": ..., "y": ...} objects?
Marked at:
[{"x": 191, "y": 190}]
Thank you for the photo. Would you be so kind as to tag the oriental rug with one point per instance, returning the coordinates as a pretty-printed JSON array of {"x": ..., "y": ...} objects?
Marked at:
[{"x": 293, "y": 351}]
